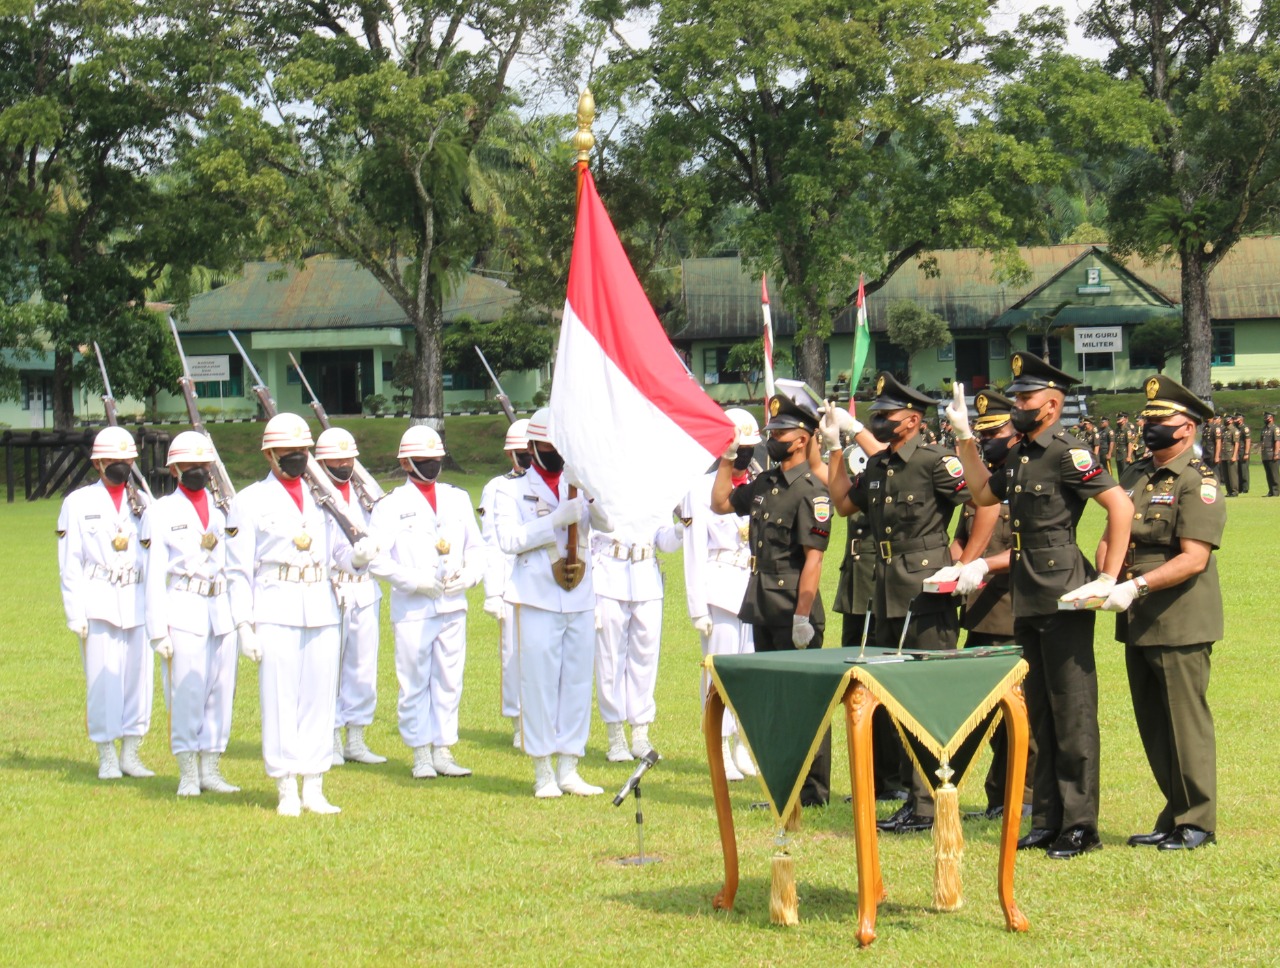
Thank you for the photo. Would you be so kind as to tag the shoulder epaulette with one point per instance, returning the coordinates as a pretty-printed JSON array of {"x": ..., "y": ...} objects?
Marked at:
[{"x": 1204, "y": 469}]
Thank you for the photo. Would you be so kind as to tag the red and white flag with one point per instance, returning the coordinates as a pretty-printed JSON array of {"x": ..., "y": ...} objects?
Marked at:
[
  {"x": 768, "y": 340},
  {"x": 625, "y": 414}
]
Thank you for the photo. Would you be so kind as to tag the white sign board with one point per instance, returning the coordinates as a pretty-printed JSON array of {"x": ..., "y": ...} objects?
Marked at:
[
  {"x": 209, "y": 369},
  {"x": 1098, "y": 339}
]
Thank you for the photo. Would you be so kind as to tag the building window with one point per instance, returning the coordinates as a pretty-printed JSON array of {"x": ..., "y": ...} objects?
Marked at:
[
  {"x": 715, "y": 366},
  {"x": 891, "y": 357},
  {"x": 388, "y": 371},
  {"x": 947, "y": 353},
  {"x": 998, "y": 348},
  {"x": 1224, "y": 346},
  {"x": 226, "y": 388},
  {"x": 1037, "y": 345},
  {"x": 1092, "y": 362}
]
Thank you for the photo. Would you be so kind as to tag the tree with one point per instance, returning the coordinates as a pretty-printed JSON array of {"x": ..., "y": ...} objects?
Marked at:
[
  {"x": 95, "y": 98},
  {"x": 1211, "y": 173},
  {"x": 1160, "y": 339},
  {"x": 748, "y": 359},
  {"x": 362, "y": 133},
  {"x": 914, "y": 328},
  {"x": 510, "y": 344}
]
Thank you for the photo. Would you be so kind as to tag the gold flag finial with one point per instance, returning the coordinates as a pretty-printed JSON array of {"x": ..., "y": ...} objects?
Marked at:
[{"x": 583, "y": 139}]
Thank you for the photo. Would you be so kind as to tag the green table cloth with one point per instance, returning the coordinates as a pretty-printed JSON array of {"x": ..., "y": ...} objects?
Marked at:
[{"x": 944, "y": 707}]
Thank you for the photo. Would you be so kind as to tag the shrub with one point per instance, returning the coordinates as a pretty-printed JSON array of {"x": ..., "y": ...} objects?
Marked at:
[{"x": 375, "y": 403}]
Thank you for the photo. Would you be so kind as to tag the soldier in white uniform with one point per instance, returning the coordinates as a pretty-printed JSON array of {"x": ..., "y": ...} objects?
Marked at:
[
  {"x": 359, "y": 599},
  {"x": 101, "y": 565},
  {"x": 554, "y": 618},
  {"x": 433, "y": 554},
  {"x": 286, "y": 615},
  {"x": 717, "y": 568},
  {"x": 498, "y": 571},
  {"x": 189, "y": 616}
]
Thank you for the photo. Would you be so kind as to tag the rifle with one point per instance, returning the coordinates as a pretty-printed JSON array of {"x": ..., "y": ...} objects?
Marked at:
[
  {"x": 368, "y": 490},
  {"x": 136, "y": 481},
  {"x": 219, "y": 480},
  {"x": 502, "y": 397},
  {"x": 325, "y": 494}
]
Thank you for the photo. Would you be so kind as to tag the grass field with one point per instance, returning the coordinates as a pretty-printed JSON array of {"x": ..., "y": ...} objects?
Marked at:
[{"x": 477, "y": 871}]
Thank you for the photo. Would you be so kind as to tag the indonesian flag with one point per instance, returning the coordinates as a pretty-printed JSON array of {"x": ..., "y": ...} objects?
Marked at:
[
  {"x": 625, "y": 414},
  {"x": 861, "y": 342},
  {"x": 768, "y": 340}
]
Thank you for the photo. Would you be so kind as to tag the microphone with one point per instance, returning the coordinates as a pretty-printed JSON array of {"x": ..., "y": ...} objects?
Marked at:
[{"x": 647, "y": 761}]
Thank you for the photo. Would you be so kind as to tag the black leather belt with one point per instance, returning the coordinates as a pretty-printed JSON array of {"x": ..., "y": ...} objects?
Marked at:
[
  {"x": 1042, "y": 539},
  {"x": 888, "y": 549}
]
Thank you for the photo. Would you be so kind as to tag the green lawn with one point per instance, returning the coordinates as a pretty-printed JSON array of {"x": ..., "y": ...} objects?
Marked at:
[{"x": 476, "y": 870}]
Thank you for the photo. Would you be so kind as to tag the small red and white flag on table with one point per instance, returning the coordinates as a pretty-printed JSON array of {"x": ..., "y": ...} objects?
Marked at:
[
  {"x": 619, "y": 394},
  {"x": 768, "y": 339}
]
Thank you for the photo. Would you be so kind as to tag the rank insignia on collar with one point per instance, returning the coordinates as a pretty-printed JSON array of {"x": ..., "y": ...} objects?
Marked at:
[
  {"x": 61, "y": 533},
  {"x": 145, "y": 542},
  {"x": 232, "y": 532}
]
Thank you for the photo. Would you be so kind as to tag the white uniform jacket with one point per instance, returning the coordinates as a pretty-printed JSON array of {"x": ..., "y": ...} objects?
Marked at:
[
  {"x": 717, "y": 554},
  {"x": 498, "y": 566},
  {"x": 417, "y": 541},
  {"x": 271, "y": 578},
  {"x": 99, "y": 581},
  {"x": 523, "y": 529},
  {"x": 186, "y": 581},
  {"x": 626, "y": 563},
  {"x": 355, "y": 587}
]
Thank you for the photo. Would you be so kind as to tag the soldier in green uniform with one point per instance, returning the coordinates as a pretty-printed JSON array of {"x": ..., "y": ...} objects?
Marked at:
[
  {"x": 1269, "y": 442},
  {"x": 1170, "y": 614},
  {"x": 790, "y": 526},
  {"x": 1216, "y": 454},
  {"x": 909, "y": 492},
  {"x": 1124, "y": 443},
  {"x": 1106, "y": 446},
  {"x": 1246, "y": 452},
  {"x": 1231, "y": 456},
  {"x": 1048, "y": 478}
]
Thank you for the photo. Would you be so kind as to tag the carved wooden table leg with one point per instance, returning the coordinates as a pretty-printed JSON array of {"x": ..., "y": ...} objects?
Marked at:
[
  {"x": 712, "y": 716},
  {"x": 858, "y": 705},
  {"x": 1015, "y": 718}
]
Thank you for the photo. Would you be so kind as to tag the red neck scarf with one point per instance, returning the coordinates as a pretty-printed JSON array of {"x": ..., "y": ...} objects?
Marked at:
[
  {"x": 344, "y": 488},
  {"x": 294, "y": 487},
  {"x": 427, "y": 489},
  {"x": 116, "y": 491},
  {"x": 200, "y": 501},
  {"x": 551, "y": 480}
]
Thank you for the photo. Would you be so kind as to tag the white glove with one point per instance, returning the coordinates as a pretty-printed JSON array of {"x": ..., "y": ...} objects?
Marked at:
[
  {"x": 568, "y": 512},
  {"x": 949, "y": 573},
  {"x": 971, "y": 576},
  {"x": 731, "y": 452},
  {"x": 493, "y": 607},
  {"x": 249, "y": 647},
  {"x": 829, "y": 426},
  {"x": 80, "y": 628},
  {"x": 958, "y": 413},
  {"x": 801, "y": 631},
  {"x": 703, "y": 624},
  {"x": 429, "y": 585},
  {"x": 364, "y": 551},
  {"x": 1121, "y": 597},
  {"x": 163, "y": 647},
  {"x": 1100, "y": 587},
  {"x": 572, "y": 477}
]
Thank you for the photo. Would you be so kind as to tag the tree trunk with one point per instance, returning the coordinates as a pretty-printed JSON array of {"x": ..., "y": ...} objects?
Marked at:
[
  {"x": 811, "y": 362},
  {"x": 428, "y": 378},
  {"x": 1197, "y": 332},
  {"x": 63, "y": 391}
]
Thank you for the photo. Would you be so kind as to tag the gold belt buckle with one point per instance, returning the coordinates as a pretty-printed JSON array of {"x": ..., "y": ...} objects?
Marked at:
[
  {"x": 886, "y": 550},
  {"x": 751, "y": 560},
  {"x": 1017, "y": 540}
]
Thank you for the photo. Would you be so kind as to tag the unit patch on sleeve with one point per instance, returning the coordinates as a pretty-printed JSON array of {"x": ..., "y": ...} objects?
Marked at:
[
  {"x": 953, "y": 466},
  {"x": 1081, "y": 458},
  {"x": 822, "y": 509}
]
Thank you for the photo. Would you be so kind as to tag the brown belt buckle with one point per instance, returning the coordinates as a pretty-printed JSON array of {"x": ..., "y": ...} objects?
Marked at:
[
  {"x": 886, "y": 550},
  {"x": 1017, "y": 540},
  {"x": 752, "y": 562}
]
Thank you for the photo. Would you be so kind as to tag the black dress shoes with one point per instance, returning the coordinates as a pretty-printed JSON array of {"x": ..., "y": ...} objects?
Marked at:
[
  {"x": 1153, "y": 839},
  {"x": 1037, "y": 837},
  {"x": 894, "y": 819},
  {"x": 1073, "y": 842},
  {"x": 911, "y": 824},
  {"x": 1187, "y": 837}
]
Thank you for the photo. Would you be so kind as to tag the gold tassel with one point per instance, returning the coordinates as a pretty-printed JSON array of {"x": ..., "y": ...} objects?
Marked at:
[
  {"x": 793, "y": 820},
  {"x": 784, "y": 905},
  {"x": 948, "y": 843}
]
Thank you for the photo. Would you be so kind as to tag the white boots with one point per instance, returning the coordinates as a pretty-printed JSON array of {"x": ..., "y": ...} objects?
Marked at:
[
  {"x": 640, "y": 740},
  {"x": 188, "y": 775},
  {"x": 445, "y": 765},
  {"x": 108, "y": 762},
  {"x": 130, "y": 763},
  {"x": 544, "y": 779},
  {"x": 211, "y": 777},
  {"x": 313, "y": 795},
  {"x": 287, "y": 788},
  {"x": 742, "y": 758},
  {"x": 618, "y": 752},
  {"x": 338, "y": 758},
  {"x": 731, "y": 771},
  {"x": 357, "y": 751},
  {"x": 515, "y": 732},
  {"x": 568, "y": 781},
  {"x": 422, "y": 767}
]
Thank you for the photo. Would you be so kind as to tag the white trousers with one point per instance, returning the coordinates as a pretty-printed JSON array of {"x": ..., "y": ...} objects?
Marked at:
[
  {"x": 628, "y": 636},
  {"x": 554, "y": 652},
  {"x": 358, "y": 675},
  {"x": 430, "y": 656},
  {"x": 510, "y": 664},
  {"x": 297, "y": 684},
  {"x": 729, "y": 636},
  {"x": 119, "y": 675},
  {"x": 199, "y": 684}
]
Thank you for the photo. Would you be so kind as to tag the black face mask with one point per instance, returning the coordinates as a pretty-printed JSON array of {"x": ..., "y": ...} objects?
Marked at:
[
  {"x": 743, "y": 460},
  {"x": 340, "y": 473},
  {"x": 1025, "y": 421},
  {"x": 777, "y": 449},
  {"x": 429, "y": 468},
  {"x": 1159, "y": 436},
  {"x": 292, "y": 465},
  {"x": 195, "y": 478},
  {"x": 549, "y": 460},
  {"x": 996, "y": 449},
  {"x": 883, "y": 429},
  {"x": 525, "y": 460},
  {"x": 116, "y": 473}
]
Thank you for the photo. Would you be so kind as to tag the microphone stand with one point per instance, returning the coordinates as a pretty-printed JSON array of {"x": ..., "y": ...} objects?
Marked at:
[{"x": 640, "y": 859}]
